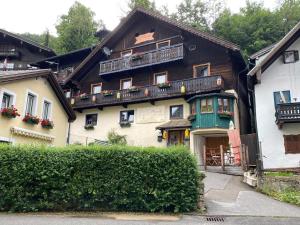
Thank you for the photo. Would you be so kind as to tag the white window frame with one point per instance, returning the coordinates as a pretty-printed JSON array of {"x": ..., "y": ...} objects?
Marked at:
[
  {"x": 28, "y": 91},
  {"x": 5, "y": 91},
  {"x": 50, "y": 109}
]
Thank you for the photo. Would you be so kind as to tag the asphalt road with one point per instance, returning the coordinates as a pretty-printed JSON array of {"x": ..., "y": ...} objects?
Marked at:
[{"x": 57, "y": 219}]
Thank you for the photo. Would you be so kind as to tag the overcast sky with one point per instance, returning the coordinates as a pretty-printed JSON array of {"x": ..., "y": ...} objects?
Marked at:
[{"x": 35, "y": 16}]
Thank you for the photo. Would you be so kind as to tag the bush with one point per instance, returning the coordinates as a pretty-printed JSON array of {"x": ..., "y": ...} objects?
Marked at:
[
  {"x": 116, "y": 139},
  {"x": 97, "y": 178}
]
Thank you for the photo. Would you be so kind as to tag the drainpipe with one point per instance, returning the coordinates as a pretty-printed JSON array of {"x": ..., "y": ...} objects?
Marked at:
[{"x": 68, "y": 137}]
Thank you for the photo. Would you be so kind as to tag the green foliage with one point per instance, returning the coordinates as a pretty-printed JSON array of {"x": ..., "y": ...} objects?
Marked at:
[
  {"x": 44, "y": 39},
  {"x": 116, "y": 139},
  {"x": 76, "y": 29},
  {"x": 147, "y": 4},
  {"x": 289, "y": 195},
  {"x": 97, "y": 178},
  {"x": 279, "y": 174}
]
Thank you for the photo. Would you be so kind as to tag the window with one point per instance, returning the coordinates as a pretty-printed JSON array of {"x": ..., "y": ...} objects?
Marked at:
[
  {"x": 91, "y": 119},
  {"x": 202, "y": 70},
  {"x": 290, "y": 56},
  {"x": 292, "y": 144},
  {"x": 127, "y": 116},
  {"x": 46, "y": 110},
  {"x": 223, "y": 105},
  {"x": 207, "y": 105},
  {"x": 160, "y": 78},
  {"x": 6, "y": 101},
  {"x": 31, "y": 104},
  {"x": 163, "y": 44},
  {"x": 193, "y": 108},
  {"x": 126, "y": 53},
  {"x": 96, "y": 88},
  {"x": 125, "y": 83},
  {"x": 67, "y": 93},
  {"x": 281, "y": 97},
  {"x": 176, "y": 112}
]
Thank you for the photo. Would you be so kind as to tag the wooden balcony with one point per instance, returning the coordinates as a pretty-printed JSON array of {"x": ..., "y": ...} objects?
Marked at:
[
  {"x": 6, "y": 53},
  {"x": 149, "y": 58},
  {"x": 288, "y": 113},
  {"x": 149, "y": 93}
]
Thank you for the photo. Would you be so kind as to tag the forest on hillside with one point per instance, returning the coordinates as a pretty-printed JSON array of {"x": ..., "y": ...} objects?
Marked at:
[{"x": 252, "y": 28}]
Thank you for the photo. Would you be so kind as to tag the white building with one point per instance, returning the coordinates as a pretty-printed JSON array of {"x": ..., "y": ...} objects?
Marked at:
[{"x": 277, "y": 103}]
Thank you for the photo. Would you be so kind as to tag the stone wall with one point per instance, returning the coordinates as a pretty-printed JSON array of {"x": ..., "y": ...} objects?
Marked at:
[{"x": 279, "y": 183}]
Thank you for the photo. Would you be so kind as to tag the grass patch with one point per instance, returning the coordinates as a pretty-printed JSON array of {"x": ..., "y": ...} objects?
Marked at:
[
  {"x": 279, "y": 174},
  {"x": 290, "y": 195}
]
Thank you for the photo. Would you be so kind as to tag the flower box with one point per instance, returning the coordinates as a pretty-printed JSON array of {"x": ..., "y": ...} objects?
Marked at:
[
  {"x": 136, "y": 57},
  {"x": 84, "y": 97},
  {"x": 225, "y": 114},
  {"x": 107, "y": 93},
  {"x": 164, "y": 85},
  {"x": 47, "y": 124},
  {"x": 31, "y": 119},
  {"x": 133, "y": 89},
  {"x": 89, "y": 126},
  {"x": 125, "y": 124},
  {"x": 10, "y": 112},
  {"x": 191, "y": 117}
]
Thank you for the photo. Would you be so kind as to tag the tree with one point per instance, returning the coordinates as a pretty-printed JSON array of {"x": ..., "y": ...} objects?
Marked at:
[
  {"x": 76, "y": 29},
  {"x": 147, "y": 4},
  {"x": 253, "y": 28}
]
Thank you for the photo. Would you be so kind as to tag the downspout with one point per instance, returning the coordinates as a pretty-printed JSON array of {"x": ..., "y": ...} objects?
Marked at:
[{"x": 68, "y": 137}]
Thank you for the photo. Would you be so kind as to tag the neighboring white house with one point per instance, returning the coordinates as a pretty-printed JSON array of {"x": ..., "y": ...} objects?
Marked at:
[{"x": 277, "y": 103}]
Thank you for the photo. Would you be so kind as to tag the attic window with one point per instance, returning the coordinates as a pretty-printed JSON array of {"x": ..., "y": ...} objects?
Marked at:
[{"x": 290, "y": 56}]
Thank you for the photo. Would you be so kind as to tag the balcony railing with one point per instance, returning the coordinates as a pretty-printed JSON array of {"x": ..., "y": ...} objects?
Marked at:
[
  {"x": 157, "y": 56},
  {"x": 150, "y": 93},
  {"x": 287, "y": 113}
]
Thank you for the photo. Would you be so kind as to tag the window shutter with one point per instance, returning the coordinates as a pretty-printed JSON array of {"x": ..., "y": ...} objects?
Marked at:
[{"x": 292, "y": 144}]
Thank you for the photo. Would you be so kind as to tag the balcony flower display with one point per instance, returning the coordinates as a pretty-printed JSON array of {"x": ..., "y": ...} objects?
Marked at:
[
  {"x": 225, "y": 114},
  {"x": 136, "y": 57},
  {"x": 133, "y": 89},
  {"x": 48, "y": 124},
  {"x": 107, "y": 93},
  {"x": 164, "y": 85},
  {"x": 89, "y": 126},
  {"x": 31, "y": 119},
  {"x": 83, "y": 96},
  {"x": 10, "y": 112}
]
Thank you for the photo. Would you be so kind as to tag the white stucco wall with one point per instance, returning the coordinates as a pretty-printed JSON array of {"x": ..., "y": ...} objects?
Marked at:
[
  {"x": 278, "y": 77},
  {"x": 141, "y": 133}
]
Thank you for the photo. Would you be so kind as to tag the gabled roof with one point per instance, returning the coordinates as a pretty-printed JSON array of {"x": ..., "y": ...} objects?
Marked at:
[
  {"x": 15, "y": 75},
  {"x": 281, "y": 46},
  {"x": 98, "y": 50},
  {"x": 262, "y": 52},
  {"x": 28, "y": 41}
]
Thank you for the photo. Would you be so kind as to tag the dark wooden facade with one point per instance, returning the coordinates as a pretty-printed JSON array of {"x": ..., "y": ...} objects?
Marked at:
[
  {"x": 20, "y": 52},
  {"x": 187, "y": 49}
]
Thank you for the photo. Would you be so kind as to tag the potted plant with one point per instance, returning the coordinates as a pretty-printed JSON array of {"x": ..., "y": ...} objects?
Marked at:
[
  {"x": 10, "y": 112},
  {"x": 89, "y": 126},
  {"x": 47, "y": 124},
  {"x": 164, "y": 85},
  {"x": 133, "y": 89},
  {"x": 83, "y": 96},
  {"x": 31, "y": 119},
  {"x": 225, "y": 114},
  {"x": 107, "y": 93},
  {"x": 136, "y": 57}
]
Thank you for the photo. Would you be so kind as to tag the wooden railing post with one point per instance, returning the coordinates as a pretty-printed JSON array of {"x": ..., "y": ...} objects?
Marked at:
[
  {"x": 204, "y": 157},
  {"x": 242, "y": 156},
  {"x": 222, "y": 157}
]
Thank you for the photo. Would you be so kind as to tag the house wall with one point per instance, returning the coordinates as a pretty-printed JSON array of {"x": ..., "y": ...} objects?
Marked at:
[
  {"x": 278, "y": 77},
  {"x": 141, "y": 133},
  {"x": 43, "y": 89}
]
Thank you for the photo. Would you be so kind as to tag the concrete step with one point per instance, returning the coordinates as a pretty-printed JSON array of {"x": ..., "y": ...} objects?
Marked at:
[{"x": 231, "y": 170}]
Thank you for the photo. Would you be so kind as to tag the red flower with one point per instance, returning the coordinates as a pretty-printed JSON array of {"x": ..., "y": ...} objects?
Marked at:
[{"x": 10, "y": 112}]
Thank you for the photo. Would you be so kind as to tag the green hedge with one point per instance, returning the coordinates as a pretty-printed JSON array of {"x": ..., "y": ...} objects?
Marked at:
[{"x": 98, "y": 178}]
